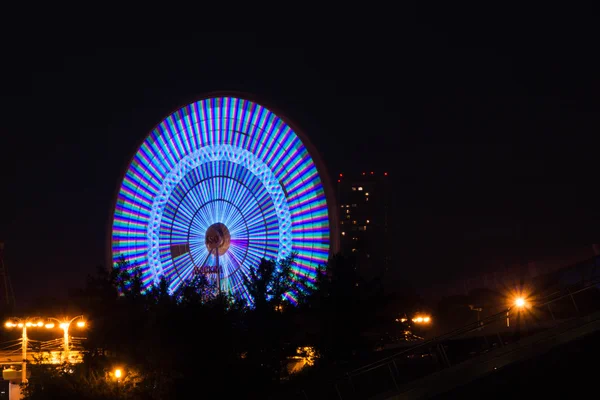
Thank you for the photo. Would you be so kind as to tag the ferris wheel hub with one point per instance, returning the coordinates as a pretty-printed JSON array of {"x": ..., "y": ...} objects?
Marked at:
[{"x": 217, "y": 237}]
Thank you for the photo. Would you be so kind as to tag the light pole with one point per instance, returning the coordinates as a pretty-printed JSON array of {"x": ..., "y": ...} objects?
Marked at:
[
  {"x": 24, "y": 324},
  {"x": 118, "y": 374},
  {"x": 65, "y": 325}
]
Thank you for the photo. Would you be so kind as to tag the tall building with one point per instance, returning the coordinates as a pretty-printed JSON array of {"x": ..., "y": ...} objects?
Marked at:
[{"x": 364, "y": 204}]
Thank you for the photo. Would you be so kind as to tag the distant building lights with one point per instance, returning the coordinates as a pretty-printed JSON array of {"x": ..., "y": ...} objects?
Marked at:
[
  {"x": 343, "y": 233},
  {"x": 360, "y": 189},
  {"x": 366, "y": 194}
]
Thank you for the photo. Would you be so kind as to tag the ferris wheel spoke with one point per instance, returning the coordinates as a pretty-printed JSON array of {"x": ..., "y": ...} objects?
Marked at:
[
  {"x": 198, "y": 253},
  {"x": 238, "y": 226},
  {"x": 239, "y": 251}
]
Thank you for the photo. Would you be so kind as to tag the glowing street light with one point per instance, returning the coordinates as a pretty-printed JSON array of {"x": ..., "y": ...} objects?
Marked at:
[
  {"x": 520, "y": 302},
  {"x": 422, "y": 319},
  {"x": 24, "y": 324},
  {"x": 65, "y": 325},
  {"x": 118, "y": 374}
]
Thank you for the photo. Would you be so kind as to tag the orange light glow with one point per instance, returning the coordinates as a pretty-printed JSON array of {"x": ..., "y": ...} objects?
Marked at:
[{"x": 422, "y": 319}]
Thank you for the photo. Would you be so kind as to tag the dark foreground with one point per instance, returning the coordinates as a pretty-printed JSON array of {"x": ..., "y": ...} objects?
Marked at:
[{"x": 570, "y": 370}]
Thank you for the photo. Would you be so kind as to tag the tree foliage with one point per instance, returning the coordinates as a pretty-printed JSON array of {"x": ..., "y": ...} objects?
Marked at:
[{"x": 199, "y": 341}]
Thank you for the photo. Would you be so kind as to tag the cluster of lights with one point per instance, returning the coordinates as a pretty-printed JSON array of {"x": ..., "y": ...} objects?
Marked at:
[
  {"x": 422, "y": 320},
  {"x": 419, "y": 319},
  {"x": 27, "y": 324},
  {"x": 40, "y": 323}
]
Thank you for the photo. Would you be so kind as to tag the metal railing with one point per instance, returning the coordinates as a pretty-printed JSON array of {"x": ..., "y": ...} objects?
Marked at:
[{"x": 388, "y": 375}]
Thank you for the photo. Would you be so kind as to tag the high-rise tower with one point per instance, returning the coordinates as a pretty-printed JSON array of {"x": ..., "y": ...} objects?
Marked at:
[{"x": 364, "y": 205}]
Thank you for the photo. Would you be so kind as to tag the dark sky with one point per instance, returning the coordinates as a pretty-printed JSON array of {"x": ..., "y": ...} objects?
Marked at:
[{"x": 486, "y": 119}]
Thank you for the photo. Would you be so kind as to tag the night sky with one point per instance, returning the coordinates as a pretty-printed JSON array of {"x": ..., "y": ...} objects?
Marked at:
[{"x": 486, "y": 120}]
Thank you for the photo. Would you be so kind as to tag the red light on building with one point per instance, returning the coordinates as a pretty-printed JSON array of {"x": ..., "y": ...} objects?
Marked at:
[
  {"x": 385, "y": 174},
  {"x": 341, "y": 175},
  {"x": 364, "y": 173},
  {"x": 371, "y": 172},
  {"x": 339, "y": 180}
]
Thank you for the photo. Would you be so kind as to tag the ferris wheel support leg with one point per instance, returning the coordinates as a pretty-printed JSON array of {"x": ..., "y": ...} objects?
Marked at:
[
  {"x": 206, "y": 259},
  {"x": 218, "y": 272}
]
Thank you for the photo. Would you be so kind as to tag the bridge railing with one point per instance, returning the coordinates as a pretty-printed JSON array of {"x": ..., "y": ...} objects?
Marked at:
[{"x": 390, "y": 374}]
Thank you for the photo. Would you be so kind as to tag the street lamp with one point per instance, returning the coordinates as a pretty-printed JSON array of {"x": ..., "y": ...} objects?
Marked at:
[
  {"x": 65, "y": 325},
  {"x": 24, "y": 324},
  {"x": 118, "y": 374},
  {"x": 519, "y": 303},
  {"x": 422, "y": 319}
]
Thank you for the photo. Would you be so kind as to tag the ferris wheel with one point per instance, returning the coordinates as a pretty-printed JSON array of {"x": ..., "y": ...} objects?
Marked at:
[{"x": 215, "y": 187}]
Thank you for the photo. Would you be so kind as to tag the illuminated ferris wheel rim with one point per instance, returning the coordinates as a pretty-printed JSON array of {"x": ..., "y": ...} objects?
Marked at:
[
  {"x": 331, "y": 212},
  {"x": 312, "y": 150}
]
